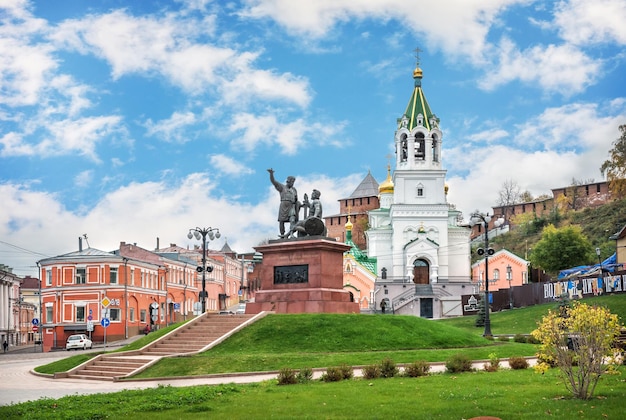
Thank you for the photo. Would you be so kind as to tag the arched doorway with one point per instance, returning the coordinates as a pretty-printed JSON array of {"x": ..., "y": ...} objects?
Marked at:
[{"x": 421, "y": 271}]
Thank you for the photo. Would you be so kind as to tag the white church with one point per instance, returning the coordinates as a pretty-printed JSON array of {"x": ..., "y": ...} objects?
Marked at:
[{"x": 422, "y": 251}]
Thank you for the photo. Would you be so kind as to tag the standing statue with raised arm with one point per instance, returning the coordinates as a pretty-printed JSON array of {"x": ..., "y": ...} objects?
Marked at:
[{"x": 289, "y": 205}]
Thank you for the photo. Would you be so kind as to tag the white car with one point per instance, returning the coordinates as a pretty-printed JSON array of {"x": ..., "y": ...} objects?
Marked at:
[{"x": 78, "y": 341}]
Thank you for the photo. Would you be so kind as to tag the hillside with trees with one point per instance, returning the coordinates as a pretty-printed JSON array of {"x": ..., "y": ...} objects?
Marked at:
[{"x": 596, "y": 225}]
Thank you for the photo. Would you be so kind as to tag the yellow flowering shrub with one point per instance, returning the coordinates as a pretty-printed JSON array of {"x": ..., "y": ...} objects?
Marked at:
[{"x": 580, "y": 340}]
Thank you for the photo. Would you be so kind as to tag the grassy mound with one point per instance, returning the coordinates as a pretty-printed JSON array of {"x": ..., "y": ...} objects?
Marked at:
[{"x": 320, "y": 333}]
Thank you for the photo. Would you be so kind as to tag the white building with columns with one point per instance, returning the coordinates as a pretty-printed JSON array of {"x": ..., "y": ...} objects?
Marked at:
[
  {"x": 422, "y": 251},
  {"x": 9, "y": 306}
]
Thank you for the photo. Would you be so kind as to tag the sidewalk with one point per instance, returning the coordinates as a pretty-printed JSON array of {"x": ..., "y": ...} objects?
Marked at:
[{"x": 14, "y": 352}]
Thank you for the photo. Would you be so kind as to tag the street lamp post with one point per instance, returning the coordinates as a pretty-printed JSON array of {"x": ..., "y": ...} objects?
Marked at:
[
  {"x": 476, "y": 219},
  {"x": 198, "y": 233}
]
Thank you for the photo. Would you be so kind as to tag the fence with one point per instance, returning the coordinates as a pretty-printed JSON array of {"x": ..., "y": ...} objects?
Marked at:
[{"x": 537, "y": 293}]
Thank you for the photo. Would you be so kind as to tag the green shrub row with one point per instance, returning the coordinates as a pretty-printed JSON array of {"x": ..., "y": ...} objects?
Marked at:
[{"x": 387, "y": 368}]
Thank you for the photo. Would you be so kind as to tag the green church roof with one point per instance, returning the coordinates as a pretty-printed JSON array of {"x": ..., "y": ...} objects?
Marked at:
[
  {"x": 359, "y": 256},
  {"x": 417, "y": 105}
]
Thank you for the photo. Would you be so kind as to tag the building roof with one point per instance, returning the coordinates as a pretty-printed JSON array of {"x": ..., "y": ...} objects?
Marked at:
[
  {"x": 359, "y": 256},
  {"x": 417, "y": 105},
  {"x": 619, "y": 235},
  {"x": 367, "y": 188},
  {"x": 83, "y": 254}
]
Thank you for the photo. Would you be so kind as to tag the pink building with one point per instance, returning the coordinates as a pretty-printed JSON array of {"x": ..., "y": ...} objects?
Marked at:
[{"x": 505, "y": 271}]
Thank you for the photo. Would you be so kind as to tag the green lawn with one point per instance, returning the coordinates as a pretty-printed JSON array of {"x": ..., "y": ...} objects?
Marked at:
[
  {"x": 506, "y": 394},
  {"x": 524, "y": 320},
  {"x": 322, "y": 340}
]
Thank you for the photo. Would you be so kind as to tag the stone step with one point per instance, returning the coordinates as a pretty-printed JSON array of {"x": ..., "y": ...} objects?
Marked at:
[
  {"x": 101, "y": 368},
  {"x": 89, "y": 377},
  {"x": 109, "y": 362},
  {"x": 98, "y": 372}
]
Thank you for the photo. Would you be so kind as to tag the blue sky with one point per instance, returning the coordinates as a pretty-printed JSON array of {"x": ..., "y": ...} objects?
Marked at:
[{"x": 137, "y": 120}]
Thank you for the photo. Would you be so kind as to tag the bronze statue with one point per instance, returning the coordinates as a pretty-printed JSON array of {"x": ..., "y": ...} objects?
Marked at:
[
  {"x": 312, "y": 223},
  {"x": 289, "y": 205}
]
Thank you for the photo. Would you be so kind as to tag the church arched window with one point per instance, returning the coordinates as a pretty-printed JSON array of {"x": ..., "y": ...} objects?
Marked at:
[{"x": 420, "y": 145}]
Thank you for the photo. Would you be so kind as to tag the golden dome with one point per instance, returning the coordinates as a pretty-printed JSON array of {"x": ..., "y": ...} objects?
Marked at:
[
  {"x": 446, "y": 188},
  {"x": 417, "y": 73},
  {"x": 387, "y": 185},
  {"x": 348, "y": 224}
]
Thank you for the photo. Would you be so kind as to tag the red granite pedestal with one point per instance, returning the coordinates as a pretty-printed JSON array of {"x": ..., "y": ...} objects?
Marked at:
[{"x": 320, "y": 291}]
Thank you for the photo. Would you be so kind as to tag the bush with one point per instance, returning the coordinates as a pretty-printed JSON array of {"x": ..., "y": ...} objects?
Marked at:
[
  {"x": 388, "y": 368},
  {"x": 459, "y": 363},
  {"x": 532, "y": 340},
  {"x": 304, "y": 375},
  {"x": 494, "y": 363},
  {"x": 287, "y": 376},
  {"x": 518, "y": 363},
  {"x": 520, "y": 338},
  {"x": 371, "y": 372},
  {"x": 503, "y": 338},
  {"x": 346, "y": 371},
  {"x": 416, "y": 369},
  {"x": 333, "y": 374},
  {"x": 579, "y": 339}
]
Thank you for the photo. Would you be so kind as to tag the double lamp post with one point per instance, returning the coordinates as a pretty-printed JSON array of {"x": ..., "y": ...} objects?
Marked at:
[
  {"x": 480, "y": 219},
  {"x": 202, "y": 233}
]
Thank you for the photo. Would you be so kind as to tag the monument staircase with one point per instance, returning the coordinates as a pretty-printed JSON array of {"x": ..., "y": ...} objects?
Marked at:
[
  {"x": 194, "y": 337},
  {"x": 416, "y": 290}
]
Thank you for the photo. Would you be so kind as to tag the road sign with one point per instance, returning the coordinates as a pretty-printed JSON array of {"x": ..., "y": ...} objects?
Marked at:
[
  {"x": 89, "y": 318},
  {"x": 35, "y": 328},
  {"x": 35, "y": 321},
  {"x": 105, "y": 302},
  {"x": 105, "y": 322},
  {"x": 89, "y": 326}
]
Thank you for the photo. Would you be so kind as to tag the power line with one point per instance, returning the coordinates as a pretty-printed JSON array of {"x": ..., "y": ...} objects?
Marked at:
[{"x": 24, "y": 249}]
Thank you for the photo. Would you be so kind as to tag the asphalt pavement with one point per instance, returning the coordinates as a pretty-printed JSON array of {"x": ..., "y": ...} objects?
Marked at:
[{"x": 19, "y": 382}]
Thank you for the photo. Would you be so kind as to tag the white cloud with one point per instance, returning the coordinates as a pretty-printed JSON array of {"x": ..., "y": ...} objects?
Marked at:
[
  {"x": 584, "y": 22},
  {"x": 172, "y": 129},
  {"x": 564, "y": 69},
  {"x": 128, "y": 214},
  {"x": 229, "y": 166},
  {"x": 167, "y": 46},
  {"x": 24, "y": 66},
  {"x": 14, "y": 145},
  {"x": 252, "y": 131},
  {"x": 79, "y": 136},
  {"x": 83, "y": 178},
  {"x": 560, "y": 144},
  {"x": 459, "y": 27}
]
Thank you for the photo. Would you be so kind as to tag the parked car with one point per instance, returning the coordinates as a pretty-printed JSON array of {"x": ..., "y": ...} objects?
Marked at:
[{"x": 78, "y": 341}]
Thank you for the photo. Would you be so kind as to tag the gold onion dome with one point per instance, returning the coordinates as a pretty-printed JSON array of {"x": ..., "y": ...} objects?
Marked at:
[
  {"x": 387, "y": 185},
  {"x": 417, "y": 73},
  {"x": 348, "y": 224}
]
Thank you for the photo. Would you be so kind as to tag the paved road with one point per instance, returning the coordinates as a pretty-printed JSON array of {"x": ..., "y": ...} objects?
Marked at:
[{"x": 19, "y": 384}]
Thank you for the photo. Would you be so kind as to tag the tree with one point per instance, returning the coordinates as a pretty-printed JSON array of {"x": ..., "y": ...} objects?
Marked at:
[
  {"x": 509, "y": 194},
  {"x": 561, "y": 248},
  {"x": 580, "y": 340},
  {"x": 615, "y": 166},
  {"x": 526, "y": 197},
  {"x": 482, "y": 313}
]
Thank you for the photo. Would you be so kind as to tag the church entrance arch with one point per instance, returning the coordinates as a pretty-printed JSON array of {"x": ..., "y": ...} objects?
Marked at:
[{"x": 421, "y": 271}]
